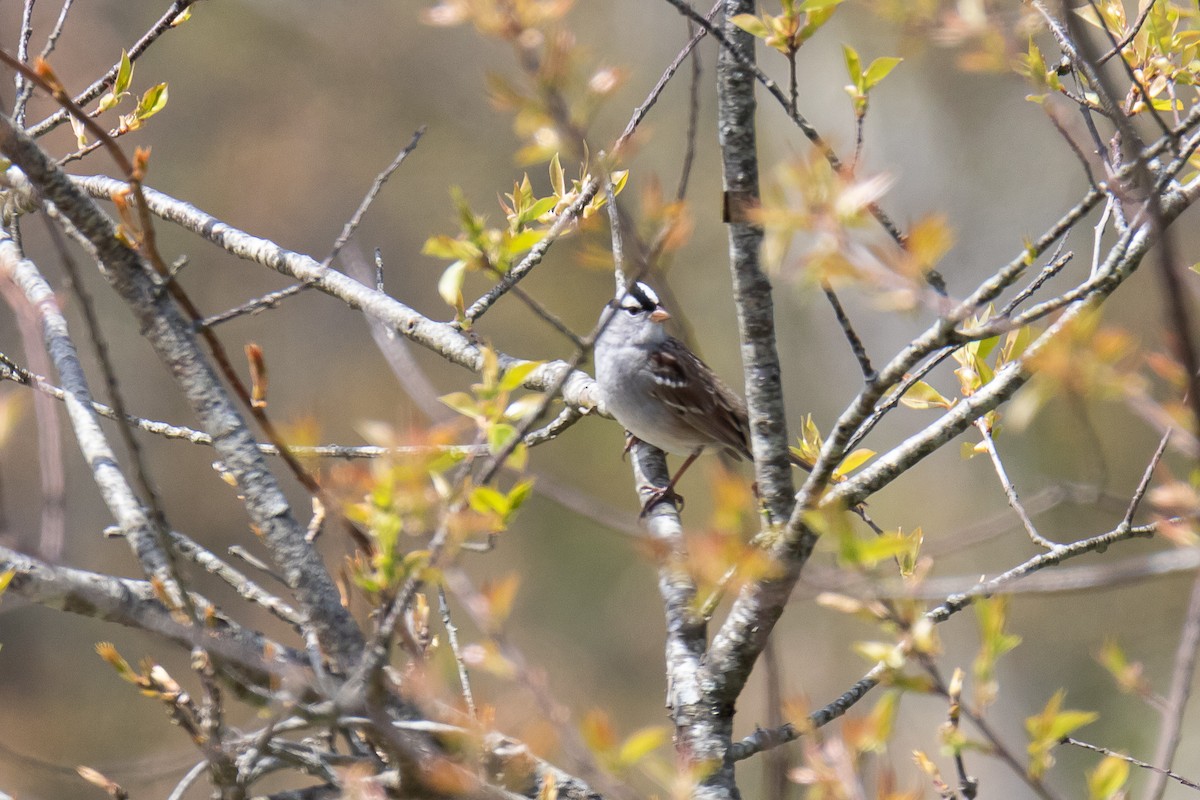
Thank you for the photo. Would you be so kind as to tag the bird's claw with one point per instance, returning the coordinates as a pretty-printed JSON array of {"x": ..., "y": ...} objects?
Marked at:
[{"x": 659, "y": 494}]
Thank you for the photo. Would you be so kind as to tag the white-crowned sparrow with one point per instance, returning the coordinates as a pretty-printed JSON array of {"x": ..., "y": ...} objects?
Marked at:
[{"x": 660, "y": 390}]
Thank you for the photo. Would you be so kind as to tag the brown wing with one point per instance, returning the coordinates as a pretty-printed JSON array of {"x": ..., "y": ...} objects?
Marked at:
[{"x": 686, "y": 384}]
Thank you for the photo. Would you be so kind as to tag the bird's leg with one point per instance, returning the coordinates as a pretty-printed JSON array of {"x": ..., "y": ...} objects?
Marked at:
[
  {"x": 630, "y": 441},
  {"x": 668, "y": 492}
]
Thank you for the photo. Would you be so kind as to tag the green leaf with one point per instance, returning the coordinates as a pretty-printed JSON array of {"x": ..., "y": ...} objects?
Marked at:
[
  {"x": 1108, "y": 778},
  {"x": 618, "y": 179},
  {"x": 499, "y": 435},
  {"x": 641, "y": 744},
  {"x": 879, "y": 69},
  {"x": 124, "y": 74},
  {"x": 523, "y": 406},
  {"x": 515, "y": 375},
  {"x": 463, "y": 403},
  {"x": 485, "y": 499},
  {"x": 152, "y": 102},
  {"x": 442, "y": 246},
  {"x": 1049, "y": 727},
  {"x": 1067, "y": 722},
  {"x": 518, "y": 495},
  {"x": 451, "y": 283},
  {"x": 853, "y": 65},
  {"x": 520, "y": 242},
  {"x": 923, "y": 396},
  {"x": 543, "y": 206},
  {"x": 879, "y": 548},
  {"x": 854, "y": 461},
  {"x": 80, "y": 132},
  {"x": 751, "y": 25},
  {"x": 818, "y": 5},
  {"x": 557, "y": 181}
]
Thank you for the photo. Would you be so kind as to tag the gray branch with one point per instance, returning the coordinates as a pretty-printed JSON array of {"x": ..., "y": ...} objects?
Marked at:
[
  {"x": 118, "y": 495},
  {"x": 441, "y": 337},
  {"x": 172, "y": 338},
  {"x": 134, "y": 604},
  {"x": 736, "y": 108}
]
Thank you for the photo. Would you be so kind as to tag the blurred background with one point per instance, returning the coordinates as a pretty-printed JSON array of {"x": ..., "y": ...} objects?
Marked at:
[{"x": 280, "y": 116}]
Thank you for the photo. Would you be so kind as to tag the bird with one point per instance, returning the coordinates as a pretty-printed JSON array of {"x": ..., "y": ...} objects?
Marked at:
[{"x": 662, "y": 392}]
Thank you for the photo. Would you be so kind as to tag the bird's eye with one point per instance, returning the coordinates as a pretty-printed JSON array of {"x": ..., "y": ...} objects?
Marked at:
[{"x": 631, "y": 311}]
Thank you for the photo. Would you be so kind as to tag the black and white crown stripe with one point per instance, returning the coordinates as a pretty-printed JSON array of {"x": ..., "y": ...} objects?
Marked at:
[{"x": 639, "y": 297}]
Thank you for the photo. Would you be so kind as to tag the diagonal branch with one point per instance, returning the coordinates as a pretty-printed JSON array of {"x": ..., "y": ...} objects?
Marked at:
[
  {"x": 440, "y": 337},
  {"x": 172, "y": 338}
]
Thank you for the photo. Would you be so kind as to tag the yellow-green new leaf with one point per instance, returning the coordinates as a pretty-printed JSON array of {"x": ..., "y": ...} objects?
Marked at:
[
  {"x": 524, "y": 407},
  {"x": 1049, "y": 728},
  {"x": 879, "y": 69},
  {"x": 558, "y": 182},
  {"x": 515, "y": 375},
  {"x": 451, "y": 283},
  {"x": 526, "y": 239},
  {"x": 923, "y": 396},
  {"x": 463, "y": 403},
  {"x": 153, "y": 101},
  {"x": 751, "y": 25},
  {"x": 485, "y": 499},
  {"x": 124, "y": 74},
  {"x": 877, "y": 727},
  {"x": 641, "y": 744},
  {"x": 853, "y": 461},
  {"x": 853, "y": 65},
  {"x": 499, "y": 435},
  {"x": 1108, "y": 778}
]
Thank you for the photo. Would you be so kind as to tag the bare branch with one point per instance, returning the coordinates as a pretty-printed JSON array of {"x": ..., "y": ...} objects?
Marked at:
[
  {"x": 1010, "y": 491},
  {"x": 1166, "y": 773},
  {"x": 1183, "y": 672},
  {"x": 171, "y": 336}
]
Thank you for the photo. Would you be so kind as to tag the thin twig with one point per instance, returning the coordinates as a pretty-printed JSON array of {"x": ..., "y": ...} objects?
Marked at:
[
  {"x": 464, "y": 679},
  {"x": 1129, "y": 37},
  {"x": 1183, "y": 672},
  {"x": 763, "y": 739},
  {"x": 187, "y": 780},
  {"x": 244, "y": 586},
  {"x": 1175, "y": 776},
  {"x": 805, "y": 126},
  {"x": 566, "y": 218},
  {"x": 1010, "y": 491},
  {"x": 689, "y": 150},
  {"x": 105, "y": 81},
  {"x": 59, "y": 24},
  {"x": 641, "y": 111},
  {"x": 356, "y": 219},
  {"x": 1144, "y": 484},
  {"x": 252, "y": 307},
  {"x": 1051, "y": 269},
  {"x": 11, "y": 371},
  {"x": 856, "y": 345},
  {"x": 23, "y": 86}
]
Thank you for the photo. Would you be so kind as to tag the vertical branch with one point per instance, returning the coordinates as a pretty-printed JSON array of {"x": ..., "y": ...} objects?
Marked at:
[
  {"x": 751, "y": 290},
  {"x": 1182, "y": 674}
]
